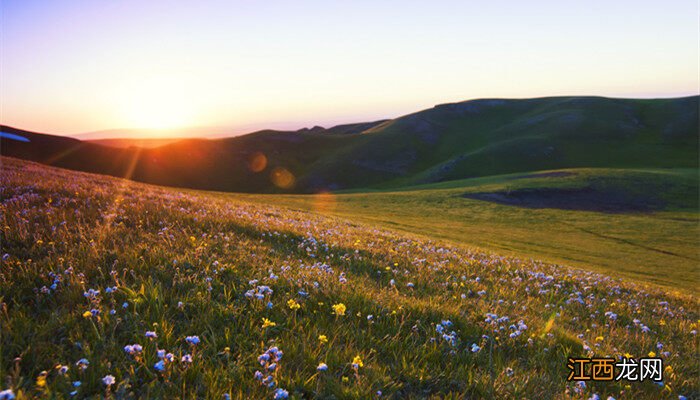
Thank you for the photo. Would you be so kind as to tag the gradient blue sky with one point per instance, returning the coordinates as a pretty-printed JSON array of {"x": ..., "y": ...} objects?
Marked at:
[{"x": 76, "y": 66}]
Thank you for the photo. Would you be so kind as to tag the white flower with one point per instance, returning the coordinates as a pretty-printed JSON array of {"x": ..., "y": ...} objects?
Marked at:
[{"x": 108, "y": 380}]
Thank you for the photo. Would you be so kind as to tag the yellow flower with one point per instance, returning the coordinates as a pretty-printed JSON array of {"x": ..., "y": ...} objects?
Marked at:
[
  {"x": 599, "y": 339},
  {"x": 323, "y": 339},
  {"x": 652, "y": 354},
  {"x": 41, "y": 379},
  {"x": 358, "y": 361},
  {"x": 339, "y": 309},
  {"x": 628, "y": 355},
  {"x": 267, "y": 323},
  {"x": 293, "y": 305},
  {"x": 662, "y": 322},
  {"x": 87, "y": 314}
]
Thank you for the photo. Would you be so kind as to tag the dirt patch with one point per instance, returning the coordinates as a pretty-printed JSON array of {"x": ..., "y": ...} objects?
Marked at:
[{"x": 582, "y": 199}]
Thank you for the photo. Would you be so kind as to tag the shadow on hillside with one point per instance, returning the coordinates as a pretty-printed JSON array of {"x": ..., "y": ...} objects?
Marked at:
[{"x": 580, "y": 199}]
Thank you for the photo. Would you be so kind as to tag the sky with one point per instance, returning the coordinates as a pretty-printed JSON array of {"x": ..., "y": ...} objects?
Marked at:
[{"x": 70, "y": 67}]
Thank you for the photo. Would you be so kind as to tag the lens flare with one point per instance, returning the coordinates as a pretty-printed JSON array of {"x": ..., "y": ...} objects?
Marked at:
[
  {"x": 282, "y": 178},
  {"x": 257, "y": 162}
]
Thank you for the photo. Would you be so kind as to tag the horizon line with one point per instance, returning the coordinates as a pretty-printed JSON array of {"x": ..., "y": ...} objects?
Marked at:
[{"x": 289, "y": 126}]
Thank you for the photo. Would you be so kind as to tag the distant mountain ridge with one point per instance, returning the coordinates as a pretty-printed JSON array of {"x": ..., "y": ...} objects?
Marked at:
[{"x": 447, "y": 142}]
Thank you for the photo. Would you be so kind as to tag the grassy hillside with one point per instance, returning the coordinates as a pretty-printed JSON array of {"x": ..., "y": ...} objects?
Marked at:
[
  {"x": 94, "y": 266},
  {"x": 448, "y": 142},
  {"x": 638, "y": 224}
]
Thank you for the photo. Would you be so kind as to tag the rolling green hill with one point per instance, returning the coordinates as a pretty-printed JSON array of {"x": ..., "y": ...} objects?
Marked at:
[
  {"x": 448, "y": 142},
  {"x": 642, "y": 225}
]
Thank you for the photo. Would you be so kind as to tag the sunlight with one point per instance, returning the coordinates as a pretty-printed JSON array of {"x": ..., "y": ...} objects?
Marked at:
[{"x": 155, "y": 103}]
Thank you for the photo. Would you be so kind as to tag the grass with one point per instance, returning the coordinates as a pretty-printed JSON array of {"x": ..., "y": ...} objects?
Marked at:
[
  {"x": 185, "y": 264},
  {"x": 659, "y": 247}
]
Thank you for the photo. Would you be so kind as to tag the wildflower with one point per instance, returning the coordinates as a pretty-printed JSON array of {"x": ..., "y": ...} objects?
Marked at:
[
  {"x": 41, "y": 379},
  {"x": 339, "y": 309},
  {"x": 599, "y": 339},
  {"x": 186, "y": 358},
  {"x": 322, "y": 367},
  {"x": 159, "y": 366},
  {"x": 264, "y": 358},
  {"x": 180, "y": 305},
  {"x": 192, "y": 340},
  {"x": 108, "y": 380},
  {"x": 125, "y": 305},
  {"x": 652, "y": 354},
  {"x": 268, "y": 324},
  {"x": 410, "y": 285},
  {"x": 293, "y": 305},
  {"x": 133, "y": 349},
  {"x": 62, "y": 369},
  {"x": 82, "y": 363},
  {"x": 151, "y": 335},
  {"x": 87, "y": 314},
  {"x": 7, "y": 394},
  {"x": 475, "y": 348},
  {"x": 258, "y": 375},
  {"x": 161, "y": 354},
  {"x": 509, "y": 371},
  {"x": 323, "y": 339},
  {"x": 281, "y": 394},
  {"x": 357, "y": 362}
]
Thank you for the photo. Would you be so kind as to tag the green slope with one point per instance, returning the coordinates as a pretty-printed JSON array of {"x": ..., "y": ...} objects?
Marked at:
[
  {"x": 489, "y": 137},
  {"x": 656, "y": 245}
]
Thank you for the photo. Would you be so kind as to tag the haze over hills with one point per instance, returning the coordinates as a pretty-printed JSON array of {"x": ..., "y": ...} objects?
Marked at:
[{"x": 447, "y": 142}]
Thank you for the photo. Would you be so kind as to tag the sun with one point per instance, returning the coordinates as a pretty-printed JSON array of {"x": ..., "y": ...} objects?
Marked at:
[{"x": 156, "y": 104}]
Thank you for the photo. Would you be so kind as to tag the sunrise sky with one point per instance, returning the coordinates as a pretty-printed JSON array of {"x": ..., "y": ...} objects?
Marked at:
[{"x": 69, "y": 67}]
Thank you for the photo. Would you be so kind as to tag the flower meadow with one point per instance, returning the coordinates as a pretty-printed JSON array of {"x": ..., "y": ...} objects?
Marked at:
[{"x": 115, "y": 289}]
